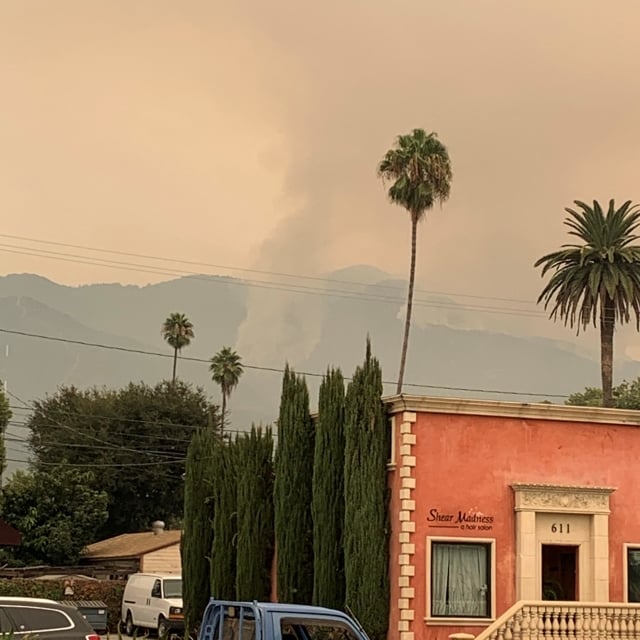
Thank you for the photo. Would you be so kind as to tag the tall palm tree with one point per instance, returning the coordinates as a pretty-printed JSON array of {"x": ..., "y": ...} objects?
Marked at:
[
  {"x": 226, "y": 370},
  {"x": 177, "y": 330},
  {"x": 420, "y": 171},
  {"x": 600, "y": 276}
]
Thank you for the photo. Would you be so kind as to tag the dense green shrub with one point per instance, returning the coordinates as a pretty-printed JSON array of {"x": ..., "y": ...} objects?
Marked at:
[
  {"x": 366, "y": 530},
  {"x": 197, "y": 534},
  {"x": 225, "y": 522},
  {"x": 255, "y": 541},
  {"x": 328, "y": 494},
  {"x": 293, "y": 492}
]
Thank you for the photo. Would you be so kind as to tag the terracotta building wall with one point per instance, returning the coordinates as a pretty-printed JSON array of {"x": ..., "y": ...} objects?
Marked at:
[{"x": 469, "y": 462}]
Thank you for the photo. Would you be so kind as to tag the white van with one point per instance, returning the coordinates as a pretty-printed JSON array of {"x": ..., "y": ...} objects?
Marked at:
[{"x": 153, "y": 601}]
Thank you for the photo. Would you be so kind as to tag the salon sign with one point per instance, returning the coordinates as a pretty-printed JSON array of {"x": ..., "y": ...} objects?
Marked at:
[{"x": 462, "y": 520}]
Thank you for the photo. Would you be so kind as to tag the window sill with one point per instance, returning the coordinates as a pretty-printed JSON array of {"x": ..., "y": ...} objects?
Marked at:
[{"x": 458, "y": 622}]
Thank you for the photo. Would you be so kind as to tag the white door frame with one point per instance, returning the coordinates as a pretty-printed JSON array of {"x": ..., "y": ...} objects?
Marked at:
[{"x": 531, "y": 499}]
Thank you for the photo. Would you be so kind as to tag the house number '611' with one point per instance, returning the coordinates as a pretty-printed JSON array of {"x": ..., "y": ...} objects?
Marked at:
[{"x": 560, "y": 528}]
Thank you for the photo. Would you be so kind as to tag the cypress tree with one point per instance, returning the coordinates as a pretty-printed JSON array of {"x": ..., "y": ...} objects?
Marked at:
[
  {"x": 366, "y": 548},
  {"x": 255, "y": 515},
  {"x": 293, "y": 493},
  {"x": 328, "y": 494},
  {"x": 197, "y": 533},
  {"x": 223, "y": 551}
]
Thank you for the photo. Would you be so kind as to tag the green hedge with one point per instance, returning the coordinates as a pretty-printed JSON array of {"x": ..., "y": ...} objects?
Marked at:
[{"x": 108, "y": 591}]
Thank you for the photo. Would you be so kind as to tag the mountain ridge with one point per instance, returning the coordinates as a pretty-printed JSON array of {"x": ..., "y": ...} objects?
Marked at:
[{"x": 446, "y": 360}]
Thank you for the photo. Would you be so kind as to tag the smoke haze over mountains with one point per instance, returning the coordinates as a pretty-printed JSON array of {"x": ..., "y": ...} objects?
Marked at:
[{"x": 247, "y": 134}]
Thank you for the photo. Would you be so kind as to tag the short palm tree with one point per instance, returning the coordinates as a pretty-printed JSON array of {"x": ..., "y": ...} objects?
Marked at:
[
  {"x": 419, "y": 169},
  {"x": 177, "y": 330},
  {"x": 226, "y": 370},
  {"x": 599, "y": 278}
]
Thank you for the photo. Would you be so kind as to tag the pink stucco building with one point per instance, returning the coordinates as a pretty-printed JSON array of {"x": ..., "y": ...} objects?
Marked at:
[{"x": 497, "y": 502}]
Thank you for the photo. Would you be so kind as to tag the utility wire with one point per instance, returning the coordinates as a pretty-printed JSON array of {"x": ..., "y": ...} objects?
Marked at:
[
  {"x": 111, "y": 445},
  {"x": 140, "y": 436},
  {"x": 286, "y": 287},
  {"x": 271, "y": 369},
  {"x": 27, "y": 425},
  {"x": 258, "y": 271}
]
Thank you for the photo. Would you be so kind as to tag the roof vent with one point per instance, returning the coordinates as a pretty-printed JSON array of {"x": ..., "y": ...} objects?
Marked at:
[{"x": 157, "y": 527}]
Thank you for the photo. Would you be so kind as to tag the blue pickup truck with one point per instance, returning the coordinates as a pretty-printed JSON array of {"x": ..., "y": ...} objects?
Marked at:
[{"x": 269, "y": 621}]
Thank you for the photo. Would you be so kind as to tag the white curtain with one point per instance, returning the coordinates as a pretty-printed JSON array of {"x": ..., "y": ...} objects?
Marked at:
[{"x": 459, "y": 580}]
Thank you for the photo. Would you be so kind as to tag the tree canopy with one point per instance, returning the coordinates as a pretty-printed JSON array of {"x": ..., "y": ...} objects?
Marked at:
[
  {"x": 57, "y": 511},
  {"x": 226, "y": 371},
  {"x": 177, "y": 330},
  {"x": 197, "y": 533},
  {"x": 625, "y": 396},
  {"x": 419, "y": 169},
  {"x": 366, "y": 516},
  {"x": 135, "y": 439},
  {"x": 5, "y": 416},
  {"x": 598, "y": 278},
  {"x": 327, "y": 504},
  {"x": 293, "y": 492}
]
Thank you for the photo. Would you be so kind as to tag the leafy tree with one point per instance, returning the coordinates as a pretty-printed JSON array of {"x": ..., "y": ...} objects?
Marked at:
[
  {"x": 625, "y": 396},
  {"x": 197, "y": 534},
  {"x": 328, "y": 494},
  {"x": 366, "y": 533},
  {"x": 598, "y": 278},
  {"x": 225, "y": 522},
  {"x": 255, "y": 515},
  {"x": 293, "y": 492},
  {"x": 420, "y": 171},
  {"x": 136, "y": 439},
  {"x": 57, "y": 511},
  {"x": 177, "y": 331},
  {"x": 5, "y": 416},
  {"x": 226, "y": 369}
]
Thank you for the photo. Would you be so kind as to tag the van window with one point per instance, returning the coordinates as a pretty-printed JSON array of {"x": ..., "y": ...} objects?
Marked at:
[
  {"x": 173, "y": 588},
  {"x": 155, "y": 592}
]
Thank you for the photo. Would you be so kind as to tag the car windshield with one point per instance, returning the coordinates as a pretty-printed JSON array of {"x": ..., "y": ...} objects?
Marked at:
[{"x": 173, "y": 588}]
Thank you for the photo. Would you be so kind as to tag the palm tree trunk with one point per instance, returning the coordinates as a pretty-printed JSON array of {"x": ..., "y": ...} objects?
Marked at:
[
  {"x": 224, "y": 412},
  {"x": 607, "y": 322},
  {"x": 407, "y": 321},
  {"x": 175, "y": 362}
]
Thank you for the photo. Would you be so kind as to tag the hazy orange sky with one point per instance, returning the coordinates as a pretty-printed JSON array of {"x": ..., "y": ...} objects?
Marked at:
[{"x": 247, "y": 133}]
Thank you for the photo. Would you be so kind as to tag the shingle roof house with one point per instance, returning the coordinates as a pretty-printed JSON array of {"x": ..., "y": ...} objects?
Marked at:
[{"x": 157, "y": 550}]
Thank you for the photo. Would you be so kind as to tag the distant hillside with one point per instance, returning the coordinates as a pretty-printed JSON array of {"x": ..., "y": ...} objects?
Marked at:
[{"x": 311, "y": 331}]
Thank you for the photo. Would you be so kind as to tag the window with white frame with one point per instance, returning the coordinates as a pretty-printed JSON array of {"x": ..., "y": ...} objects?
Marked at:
[
  {"x": 633, "y": 574},
  {"x": 460, "y": 579}
]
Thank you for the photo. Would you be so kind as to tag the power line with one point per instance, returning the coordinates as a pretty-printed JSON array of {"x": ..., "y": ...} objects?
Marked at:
[
  {"x": 27, "y": 425},
  {"x": 173, "y": 461},
  {"x": 110, "y": 445},
  {"x": 272, "y": 369},
  {"x": 286, "y": 287},
  {"x": 115, "y": 418},
  {"x": 140, "y": 436},
  {"x": 258, "y": 271},
  {"x": 114, "y": 465}
]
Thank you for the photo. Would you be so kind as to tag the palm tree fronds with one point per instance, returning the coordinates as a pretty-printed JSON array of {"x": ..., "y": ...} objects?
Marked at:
[
  {"x": 604, "y": 269},
  {"x": 177, "y": 330}
]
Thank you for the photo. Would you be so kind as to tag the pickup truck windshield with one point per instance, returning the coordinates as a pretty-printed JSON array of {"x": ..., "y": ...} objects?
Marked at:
[{"x": 173, "y": 588}]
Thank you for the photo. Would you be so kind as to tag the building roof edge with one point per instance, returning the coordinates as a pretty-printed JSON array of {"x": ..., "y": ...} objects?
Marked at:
[{"x": 500, "y": 408}]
